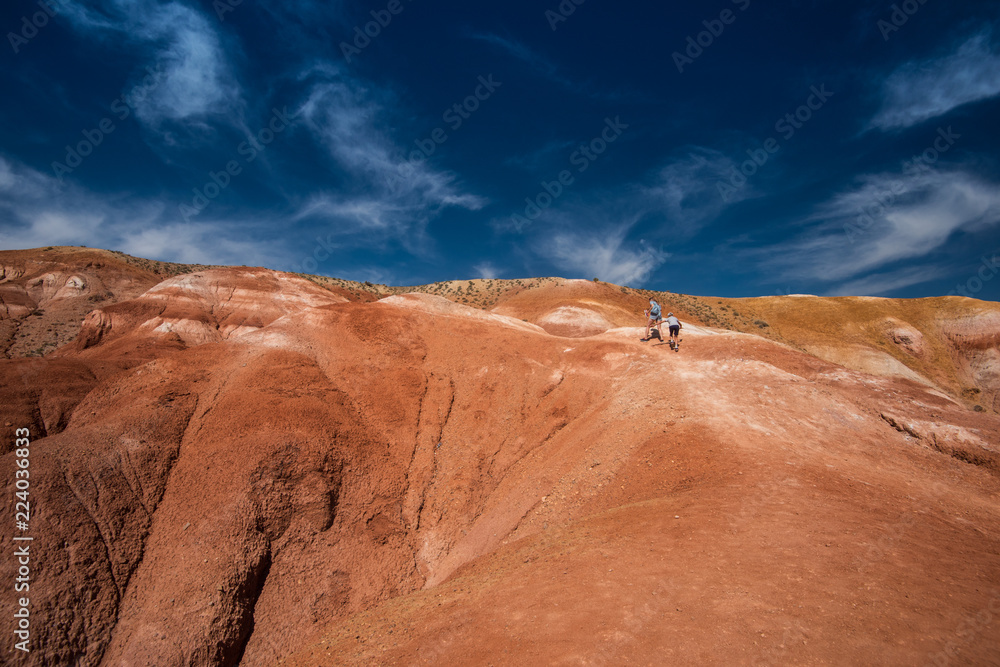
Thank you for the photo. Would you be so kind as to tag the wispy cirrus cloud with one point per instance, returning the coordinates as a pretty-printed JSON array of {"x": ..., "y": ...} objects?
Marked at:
[
  {"x": 38, "y": 210},
  {"x": 544, "y": 66},
  {"x": 540, "y": 157},
  {"x": 888, "y": 282},
  {"x": 685, "y": 190},
  {"x": 536, "y": 61},
  {"x": 921, "y": 90},
  {"x": 604, "y": 254},
  {"x": 594, "y": 233},
  {"x": 378, "y": 190},
  {"x": 851, "y": 250},
  {"x": 388, "y": 191},
  {"x": 196, "y": 80},
  {"x": 682, "y": 194},
  {"x": 930, "y": 206},
  {"x": 486, "y": 270}
]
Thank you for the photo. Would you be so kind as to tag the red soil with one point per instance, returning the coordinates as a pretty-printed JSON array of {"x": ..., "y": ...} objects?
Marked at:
[{"x": 243, "y": 468}]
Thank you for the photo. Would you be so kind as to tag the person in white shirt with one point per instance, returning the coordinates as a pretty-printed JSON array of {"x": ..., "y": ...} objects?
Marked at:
[{"x": 674, "y": 325}]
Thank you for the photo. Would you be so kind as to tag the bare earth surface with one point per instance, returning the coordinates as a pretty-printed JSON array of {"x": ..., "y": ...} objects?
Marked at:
[{"x": 235, "y": 466}]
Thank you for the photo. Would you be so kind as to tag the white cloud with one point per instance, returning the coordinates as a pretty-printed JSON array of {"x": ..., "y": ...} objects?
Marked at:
[
  {"x": 602, "y": 254},
  {"x": 678, "y": 199},
  {"x": 535, "y": 60},
  {"x": 218, "y": 242},
  {"x": 22, "y": 183},
  {"x": 886, "y": 218},
  {"x": 918, "y": 91},
  {"x": 686, "y": 189},
  {"x": 392, "y": 192},
  {"x": 878, "y": 284},
  {"x": 368, "y": 218},
  {"x": 38, "y": 210},
  {"x": 925, "y": 209},
  {"x": 195, "y": 79},
  {"x": 546, "y": 68},
  {"x": 486, "y": 270},
  {"x": 683, "y": 194}
]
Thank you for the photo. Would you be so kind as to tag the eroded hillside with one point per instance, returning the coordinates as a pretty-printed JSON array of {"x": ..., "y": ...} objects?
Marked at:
[{"x": 242, "y": 467}]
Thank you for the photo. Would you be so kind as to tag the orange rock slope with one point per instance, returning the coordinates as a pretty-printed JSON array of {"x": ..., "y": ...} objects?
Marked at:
[{"x": 244, "y": 467}]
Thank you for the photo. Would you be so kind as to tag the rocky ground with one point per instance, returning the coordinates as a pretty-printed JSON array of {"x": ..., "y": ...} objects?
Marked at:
[{"x": 234, "y": 466}]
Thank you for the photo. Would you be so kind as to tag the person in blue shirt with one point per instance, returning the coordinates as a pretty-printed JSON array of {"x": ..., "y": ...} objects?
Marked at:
[{"x": 653, "y": 318}]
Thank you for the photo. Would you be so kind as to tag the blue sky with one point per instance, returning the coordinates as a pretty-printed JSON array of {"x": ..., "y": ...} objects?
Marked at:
[{"x": 731, "y": 148}]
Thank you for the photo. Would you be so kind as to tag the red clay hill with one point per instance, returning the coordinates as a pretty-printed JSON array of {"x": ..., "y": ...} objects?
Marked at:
[{"x": 237, "y": 466}]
